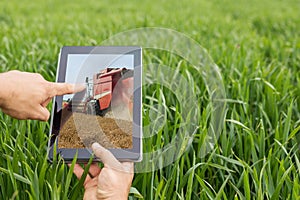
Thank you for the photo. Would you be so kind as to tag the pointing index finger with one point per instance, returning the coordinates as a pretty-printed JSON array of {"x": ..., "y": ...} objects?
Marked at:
[{"x": 66, "y": 88}]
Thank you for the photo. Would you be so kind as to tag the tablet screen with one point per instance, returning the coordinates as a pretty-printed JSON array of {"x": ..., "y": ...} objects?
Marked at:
[
  {"x": 103, "y": 112},
  {"x": 107, "y": 110}
]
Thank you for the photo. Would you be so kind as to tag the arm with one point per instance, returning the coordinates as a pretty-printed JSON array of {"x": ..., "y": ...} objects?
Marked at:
[{"x": 25, "y": 95}]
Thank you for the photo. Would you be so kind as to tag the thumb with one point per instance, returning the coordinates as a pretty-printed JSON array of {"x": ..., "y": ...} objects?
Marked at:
[
  {"x": 44, "y": 114},
  {"x": 106, "y": 157}
]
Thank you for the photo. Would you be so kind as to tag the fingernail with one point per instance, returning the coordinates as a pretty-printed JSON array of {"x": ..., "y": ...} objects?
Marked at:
[
  {"x": 96, "y": 145},
  {"x": 80, "y": 86}
]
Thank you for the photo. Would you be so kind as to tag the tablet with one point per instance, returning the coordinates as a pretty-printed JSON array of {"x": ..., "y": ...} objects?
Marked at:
[{"x": 107, "y": 111}]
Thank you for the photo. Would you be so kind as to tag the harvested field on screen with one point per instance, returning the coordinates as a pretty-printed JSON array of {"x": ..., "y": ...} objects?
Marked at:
[{"x": 81, "y": 131}]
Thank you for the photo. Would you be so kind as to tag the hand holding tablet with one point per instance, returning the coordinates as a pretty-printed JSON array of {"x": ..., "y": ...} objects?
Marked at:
[
  {"x": 112, "y": 181},
  {"x": 108, "y": 111}
]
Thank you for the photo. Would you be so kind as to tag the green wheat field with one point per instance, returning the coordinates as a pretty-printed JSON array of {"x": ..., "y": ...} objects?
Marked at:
[{"x": 256, "y": 45}]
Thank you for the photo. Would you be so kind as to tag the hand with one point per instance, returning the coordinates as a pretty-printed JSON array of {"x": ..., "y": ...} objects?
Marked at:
[
  {"x": 25, "y": 95},
  {"x": 113, "y": 181}
]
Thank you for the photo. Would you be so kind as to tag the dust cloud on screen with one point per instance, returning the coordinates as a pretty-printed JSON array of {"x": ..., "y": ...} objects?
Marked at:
[{"x": 103, "y": 112}]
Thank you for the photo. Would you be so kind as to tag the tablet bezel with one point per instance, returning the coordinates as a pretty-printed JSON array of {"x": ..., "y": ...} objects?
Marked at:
[{"x": 134, "y": 154}]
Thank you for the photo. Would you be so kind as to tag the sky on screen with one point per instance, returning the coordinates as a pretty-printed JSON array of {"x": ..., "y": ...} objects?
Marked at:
[{"x": 80, "y": 66}]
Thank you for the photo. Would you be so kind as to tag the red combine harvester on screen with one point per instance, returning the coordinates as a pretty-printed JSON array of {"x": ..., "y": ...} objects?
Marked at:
[{"x": 110, "y": 85}]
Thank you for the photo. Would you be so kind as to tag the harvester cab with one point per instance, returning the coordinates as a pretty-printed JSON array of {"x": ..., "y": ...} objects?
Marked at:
[{"x": 111, "y": 84}]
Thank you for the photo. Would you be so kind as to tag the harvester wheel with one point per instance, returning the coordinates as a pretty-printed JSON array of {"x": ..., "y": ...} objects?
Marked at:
[{"x": 98, "y": 110}]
